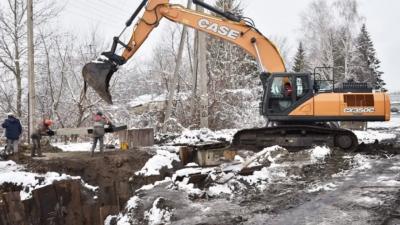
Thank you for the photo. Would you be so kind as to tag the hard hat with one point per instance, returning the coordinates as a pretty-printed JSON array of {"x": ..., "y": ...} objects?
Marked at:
[
  {"x": 10, "y": 114},
  {"x": 48, "y": 122}
]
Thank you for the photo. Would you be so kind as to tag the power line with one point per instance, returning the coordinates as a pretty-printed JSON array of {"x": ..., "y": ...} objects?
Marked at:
[
  {"x": 115, "y": 7},
  {"x": 100, "y": 13},
  {"x": 78, "y": 13}
]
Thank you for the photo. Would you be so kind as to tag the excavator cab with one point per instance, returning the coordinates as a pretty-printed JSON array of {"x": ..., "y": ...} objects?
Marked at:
[{"x": 283, "y": 92}]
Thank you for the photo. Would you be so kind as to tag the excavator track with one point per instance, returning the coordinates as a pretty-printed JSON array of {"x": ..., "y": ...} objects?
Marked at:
[{"x": 295, "y": 137}]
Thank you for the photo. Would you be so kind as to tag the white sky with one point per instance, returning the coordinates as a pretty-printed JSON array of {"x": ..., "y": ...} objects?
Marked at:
[{"x": 272, "y": 17}]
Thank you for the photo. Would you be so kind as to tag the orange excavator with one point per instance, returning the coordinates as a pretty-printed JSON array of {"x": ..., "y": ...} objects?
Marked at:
[{"x": 301, "y": 108}]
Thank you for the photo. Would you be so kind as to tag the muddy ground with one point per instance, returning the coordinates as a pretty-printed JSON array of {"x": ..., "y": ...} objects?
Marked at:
[
  {"x": 362, "y": 187},
  {"x": 334, "y": 192}
]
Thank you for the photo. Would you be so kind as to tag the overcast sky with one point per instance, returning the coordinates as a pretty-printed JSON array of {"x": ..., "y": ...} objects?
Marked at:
[{"x": 272, "y": 17}]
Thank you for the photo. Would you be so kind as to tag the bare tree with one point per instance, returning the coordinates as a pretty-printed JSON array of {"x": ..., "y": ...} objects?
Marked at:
[
  {"x": 329, "y": 30},
  {"x": 13, "y": 38}
]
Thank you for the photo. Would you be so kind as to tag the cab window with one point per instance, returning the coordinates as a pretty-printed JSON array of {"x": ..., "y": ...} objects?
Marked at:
[{"x": 281, "y": 93}]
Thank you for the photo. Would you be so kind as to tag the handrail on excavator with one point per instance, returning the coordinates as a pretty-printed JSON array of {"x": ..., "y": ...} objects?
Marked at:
[{"x": 228, "y": 15}]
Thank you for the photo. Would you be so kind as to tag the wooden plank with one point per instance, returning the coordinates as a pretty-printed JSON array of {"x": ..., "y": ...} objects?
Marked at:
[
  {"x": 47, "y": 203},
  {"x": 107, "y": 195},
  {"x": 91, "y": 215},
  {"x": 3, "y": 213},
  {"x": 137, "y": 137},
  {"x": 140, "y": 137},
  {"x": 124, "y": 192},
  {"x": 69, "y": 201},
  {"x": 15, "y": 208},
  {"x": 186, "y": 155},
  {"x": 31, "y": 211}
]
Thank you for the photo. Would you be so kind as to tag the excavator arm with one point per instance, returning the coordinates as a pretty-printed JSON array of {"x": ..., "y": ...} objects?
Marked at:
[{"x": 229, "y": 28}]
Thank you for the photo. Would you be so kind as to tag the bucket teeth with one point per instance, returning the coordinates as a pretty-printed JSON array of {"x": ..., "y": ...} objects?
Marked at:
[{"x": 97, "y": 75}]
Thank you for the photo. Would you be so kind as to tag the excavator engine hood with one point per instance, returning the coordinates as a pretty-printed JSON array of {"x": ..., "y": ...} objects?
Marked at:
[{"x": 97, "y": 75}]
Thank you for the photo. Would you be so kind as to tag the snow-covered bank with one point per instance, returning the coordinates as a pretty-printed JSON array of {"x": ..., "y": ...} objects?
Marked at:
[
  {"x": 163, "y": 159},
  {"x": 204, "y": 135},
  {"x": 11, "y": 172}
]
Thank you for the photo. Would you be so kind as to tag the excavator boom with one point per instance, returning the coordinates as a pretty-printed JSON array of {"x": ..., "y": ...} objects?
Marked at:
[{"x": 98, "y": 74}]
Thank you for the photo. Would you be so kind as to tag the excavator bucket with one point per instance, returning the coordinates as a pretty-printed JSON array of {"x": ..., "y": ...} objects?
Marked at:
[{"x": 97, "y": 75}]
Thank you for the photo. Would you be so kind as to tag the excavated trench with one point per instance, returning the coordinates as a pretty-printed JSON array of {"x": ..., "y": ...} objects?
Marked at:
[{"x": 114, "y": 174}]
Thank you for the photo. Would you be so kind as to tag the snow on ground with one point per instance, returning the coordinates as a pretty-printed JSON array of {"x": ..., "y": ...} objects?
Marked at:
[
  {"x": 259, "y": 180},
  {"x": 157, "y": 215},
  {"x": 161, "y": 160},
  {"x": 204, "y": 135},
  {"x": 369, "y": 136},
  {"x": 322, "y": 187},
  {"x": 128, "y": 217},
  {"x": 393, "y": 123},
  {"x": 74, "y": 147},
  {"x": 362, "y": 162},
  {"x": 13, "y": 173},
  {"x": 319, "y": 153}
]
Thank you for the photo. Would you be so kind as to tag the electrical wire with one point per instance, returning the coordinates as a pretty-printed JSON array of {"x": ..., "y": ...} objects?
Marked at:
[
  {"x": 80, "y": 14},
  {"x": 114, "y": 6},
  {"x": 100, "y": 13}
]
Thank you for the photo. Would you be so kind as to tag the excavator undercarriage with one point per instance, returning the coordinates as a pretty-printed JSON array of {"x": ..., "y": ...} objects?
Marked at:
[{"x": 295, "y": 137}]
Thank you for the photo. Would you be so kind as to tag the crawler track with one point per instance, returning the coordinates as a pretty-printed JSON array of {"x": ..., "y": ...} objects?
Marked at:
[{"x": 294, "y": 137}]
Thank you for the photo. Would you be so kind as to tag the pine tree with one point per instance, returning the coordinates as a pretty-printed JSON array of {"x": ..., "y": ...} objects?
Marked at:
[
  {"x": 228, "y": 65},
  {"x": 300, "y": 60},
  {"x": 367, "y": 65},
  {"x": 230, "y": 70}
]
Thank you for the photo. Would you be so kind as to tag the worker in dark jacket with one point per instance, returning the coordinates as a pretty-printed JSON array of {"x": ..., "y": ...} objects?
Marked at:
[
  {"x": 43, "y": 129},
  {"x": 13, "y": 132},
  {"x": 98, "y": 130}
]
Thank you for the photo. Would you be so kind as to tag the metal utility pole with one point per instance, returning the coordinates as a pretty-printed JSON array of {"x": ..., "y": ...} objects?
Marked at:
[
  {"x": 202, "y": 73},
  {"x": 174, "y": 79},
  {"x": 31, "y": 73}
]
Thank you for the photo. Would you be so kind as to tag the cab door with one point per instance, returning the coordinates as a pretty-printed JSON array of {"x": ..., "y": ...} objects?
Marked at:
[{"x": 285, "y": 92}]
